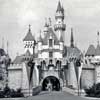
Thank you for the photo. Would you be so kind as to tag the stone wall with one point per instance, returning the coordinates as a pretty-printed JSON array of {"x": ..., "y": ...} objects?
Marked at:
[
  {"x": 15, "y": 78},
  {"x": 88, "y": 78},
  {"x": 97, "y": 73}
]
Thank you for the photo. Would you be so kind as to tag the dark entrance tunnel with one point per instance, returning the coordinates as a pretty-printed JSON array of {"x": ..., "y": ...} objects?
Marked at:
[{"x": 54, "y": 81}]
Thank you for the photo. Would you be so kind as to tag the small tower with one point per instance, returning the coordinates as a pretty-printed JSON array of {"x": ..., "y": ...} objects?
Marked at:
[
  {"x": 72, "y": 39},
  {"x": 29, "y": 41},
  {"x": 59, "y": 17}
]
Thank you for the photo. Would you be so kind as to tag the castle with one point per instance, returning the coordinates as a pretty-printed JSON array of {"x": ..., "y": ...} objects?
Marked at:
[{"x": 53, "y": 61}]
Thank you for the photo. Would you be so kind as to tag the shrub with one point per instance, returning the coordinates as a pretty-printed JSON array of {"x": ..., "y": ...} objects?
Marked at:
[
  {"x": 93, "y": 91},
  {"x": 7, "y": 92},
  {"x": 17, "y": 93},
  {"x": 2, "y": 94}
]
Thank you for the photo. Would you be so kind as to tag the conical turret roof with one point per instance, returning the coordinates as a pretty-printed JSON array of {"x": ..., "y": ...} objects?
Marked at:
[
  {"x": 97, "y": 51},
  {"x": 59, "y": 8},
  {"x": 29, "y": 36},
  {"x": 90, "y": 51}
]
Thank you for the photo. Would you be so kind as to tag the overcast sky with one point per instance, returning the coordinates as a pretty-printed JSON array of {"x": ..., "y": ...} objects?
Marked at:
[{"x": 16, "y": 15}]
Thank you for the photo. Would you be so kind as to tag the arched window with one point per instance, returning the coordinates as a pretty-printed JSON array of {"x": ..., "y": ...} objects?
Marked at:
[{"x": 50, "y": 54}]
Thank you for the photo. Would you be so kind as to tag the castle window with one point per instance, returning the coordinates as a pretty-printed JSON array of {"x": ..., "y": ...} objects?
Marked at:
[
  {"x": 50, "y": 42},
  {"x": 50, "y": 54}
]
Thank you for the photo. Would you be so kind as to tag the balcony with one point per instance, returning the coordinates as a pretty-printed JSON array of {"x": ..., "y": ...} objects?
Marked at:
[{"x": 60, "y": 26}]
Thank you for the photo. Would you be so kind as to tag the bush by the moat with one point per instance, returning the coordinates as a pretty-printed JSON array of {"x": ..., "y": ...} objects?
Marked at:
[
  {"x": 93, "y": 91},
  {"x": 10, "y": 93}
]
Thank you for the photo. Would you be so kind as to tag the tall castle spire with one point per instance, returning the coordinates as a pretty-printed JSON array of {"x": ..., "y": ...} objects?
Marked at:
[
  {"x": 97, "y": 38},
  {"x": 29, "y": 27},
  {"x": 72, "y": 38},
  {"x": 59, "y": 11},
  {"x": 59, "y": 26},
  {"x": 59, "y": 8}
]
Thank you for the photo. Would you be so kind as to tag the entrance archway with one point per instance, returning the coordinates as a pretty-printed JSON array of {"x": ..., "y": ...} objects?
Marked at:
[{"x": 54, "y": 81}]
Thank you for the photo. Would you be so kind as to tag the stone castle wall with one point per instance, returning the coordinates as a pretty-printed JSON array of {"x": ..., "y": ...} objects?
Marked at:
[{"x": 88, "y": 78}]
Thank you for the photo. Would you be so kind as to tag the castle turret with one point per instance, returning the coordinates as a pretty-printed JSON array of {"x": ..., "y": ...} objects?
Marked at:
[
  {"x": 59, "y": 17},
  {"x": 29, "y": 41}
]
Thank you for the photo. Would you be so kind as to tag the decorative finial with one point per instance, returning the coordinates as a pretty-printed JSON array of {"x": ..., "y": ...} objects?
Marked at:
[{"x": 72, "y": 39}]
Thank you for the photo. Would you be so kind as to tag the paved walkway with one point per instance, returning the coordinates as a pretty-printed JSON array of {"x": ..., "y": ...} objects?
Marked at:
[
  {"x": 52, "y": 96},
  {"x": 82, "y": 95}
]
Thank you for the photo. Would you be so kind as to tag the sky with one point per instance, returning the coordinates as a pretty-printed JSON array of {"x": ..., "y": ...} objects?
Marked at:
[{"x": 15, "y": 16}]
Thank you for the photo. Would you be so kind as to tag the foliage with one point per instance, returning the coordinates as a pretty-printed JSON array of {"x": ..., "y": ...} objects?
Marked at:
[
  {"x": 16, "y": 94},
  {"x": 10, "y": 93},
  {"x": 93, "y": 91}
]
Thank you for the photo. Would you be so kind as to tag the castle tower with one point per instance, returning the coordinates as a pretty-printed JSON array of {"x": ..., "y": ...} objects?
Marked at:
[
  {"x": 29, "y": 41},
  {"x": 59, "y": 17}
]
